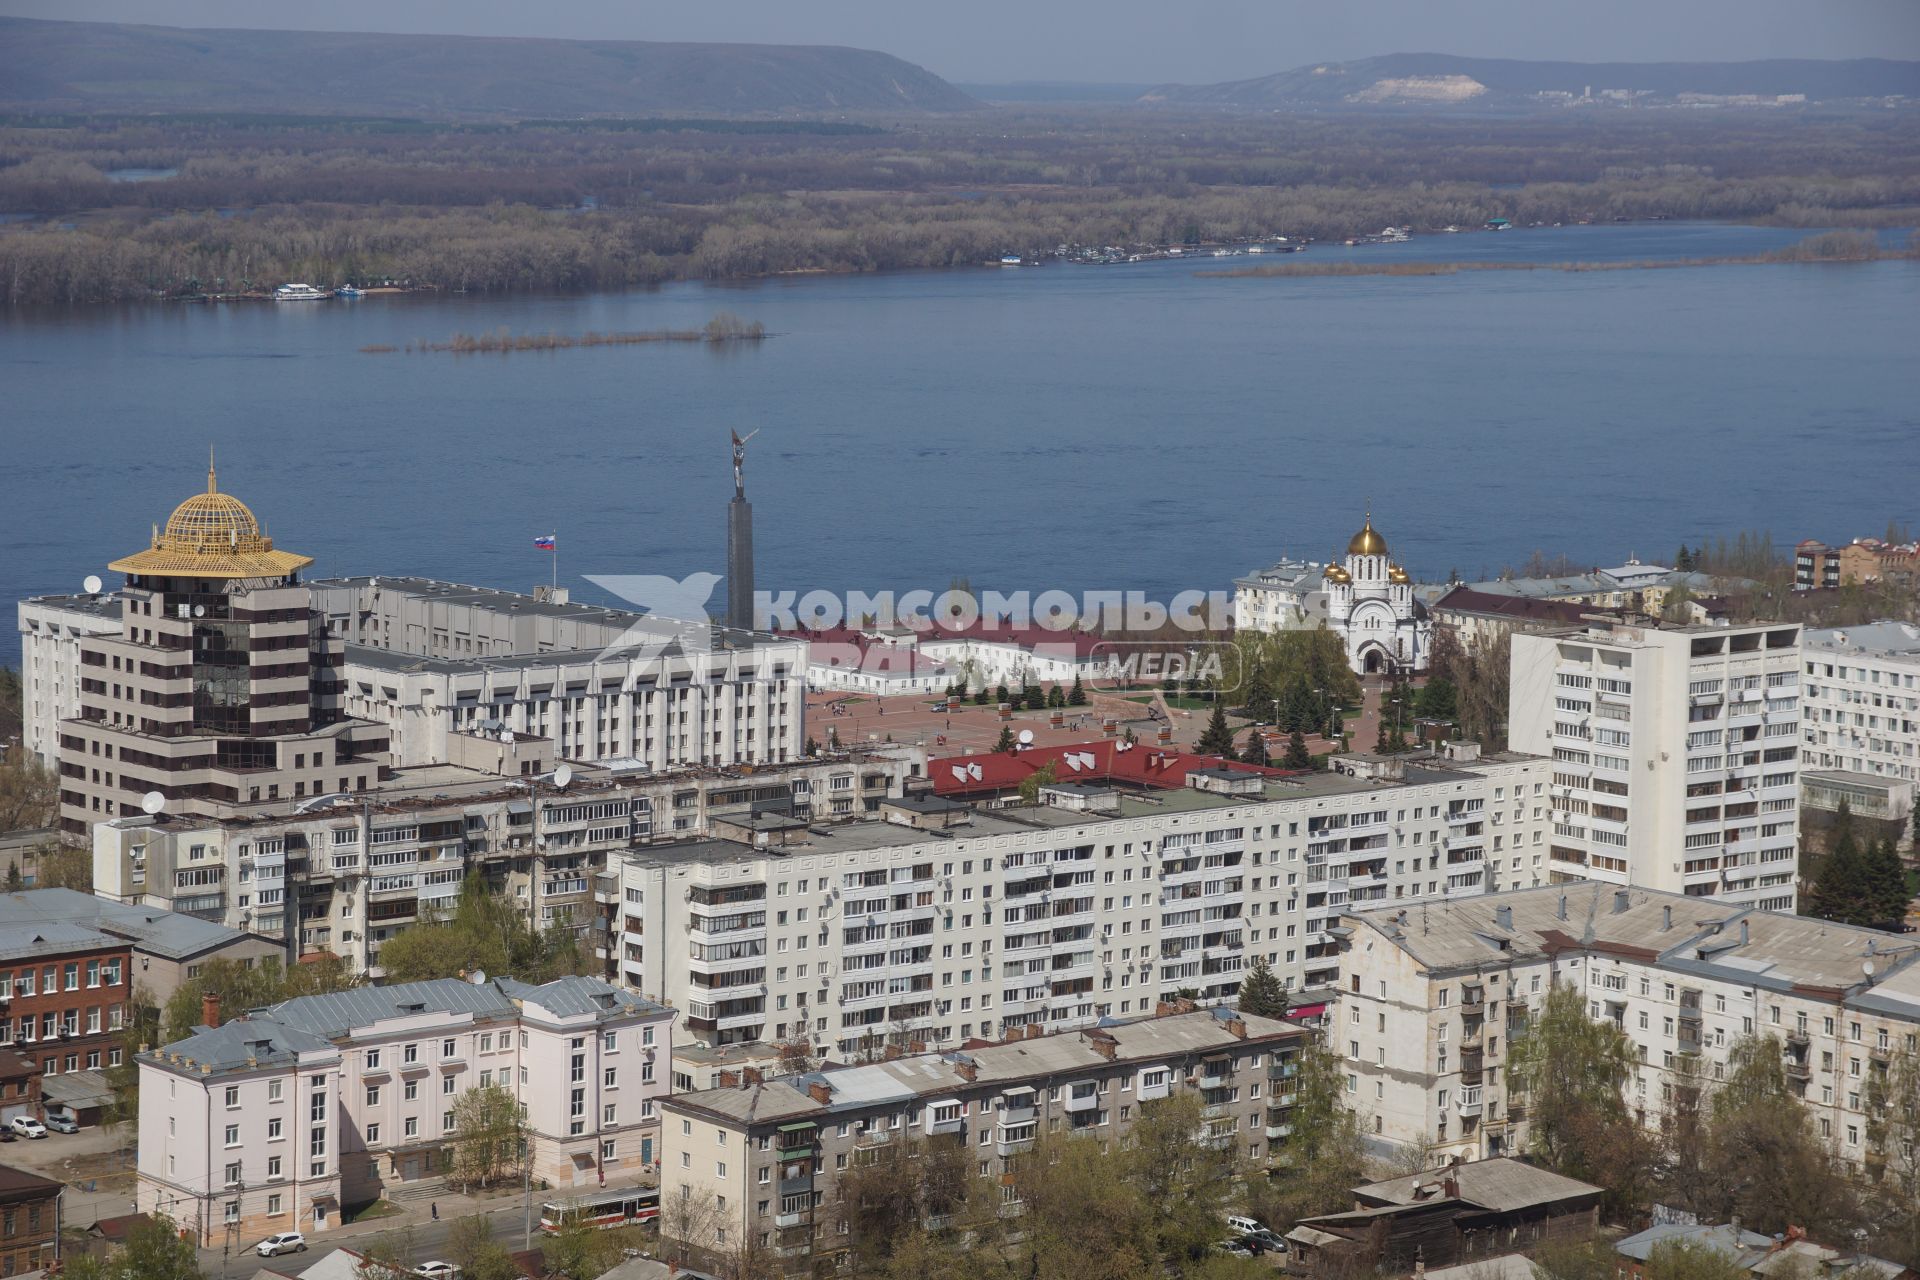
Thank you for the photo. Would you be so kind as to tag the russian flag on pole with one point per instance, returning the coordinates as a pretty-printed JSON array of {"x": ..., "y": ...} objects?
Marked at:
[{"x": 545, "y": 542}]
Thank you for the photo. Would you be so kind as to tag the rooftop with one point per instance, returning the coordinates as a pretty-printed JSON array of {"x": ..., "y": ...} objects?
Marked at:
[
  {"x": 1882, "y": 639},
  {"x": 874, "y": 1084},
  {"x": 1502, "y": 1184},
  {"x": 214, "y": 535},
  {"x": 149, "y": 929}
]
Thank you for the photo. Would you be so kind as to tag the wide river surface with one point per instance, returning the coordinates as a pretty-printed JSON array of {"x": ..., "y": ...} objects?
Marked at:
[{"x": 1075, "y": 427}]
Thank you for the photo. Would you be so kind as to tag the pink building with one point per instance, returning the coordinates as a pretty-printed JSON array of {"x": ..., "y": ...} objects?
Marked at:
[{"x": 275, "y": 1120}]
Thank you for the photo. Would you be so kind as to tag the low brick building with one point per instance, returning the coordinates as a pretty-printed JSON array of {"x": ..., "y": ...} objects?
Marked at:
[
  {"x": 29, "y": 1221},
  {"x": 67, "y": 987}
]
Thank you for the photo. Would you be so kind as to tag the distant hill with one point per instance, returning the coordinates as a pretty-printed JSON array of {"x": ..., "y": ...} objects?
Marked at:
[
  {"x": 97, "y": 66},
  {"x": 1444, "y": 79},
  {"x": 1038, "y": 91}
]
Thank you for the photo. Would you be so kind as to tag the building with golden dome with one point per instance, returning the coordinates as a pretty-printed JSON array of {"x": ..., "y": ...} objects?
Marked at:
[
  {"x": 1365, "y": 597},
  {"x": 218, "y": 690},
  {"x": 1370, "y": 602}
]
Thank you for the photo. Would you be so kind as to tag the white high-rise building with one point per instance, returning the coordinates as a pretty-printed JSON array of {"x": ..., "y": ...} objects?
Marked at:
[
  {"x": 1675, "y": 754},
  {"x": 1862, "y": 723}
]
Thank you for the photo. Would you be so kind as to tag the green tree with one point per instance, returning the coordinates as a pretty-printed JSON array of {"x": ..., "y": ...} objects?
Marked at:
[
  {"x": 980, "y": 696},
  {"x": 1031, "y": 784},
  {"x": 1760, "y": 1159},
  {"x": 1056, "y": 698},
  {"x": 812, "y": 748},
  {"x": 1005, "y": 742},
  {"x": 484, "y": 932},
  {"x": 1437, "y": 700},
  {"x": 1260, "y": 991},
  {"x": 29, "y": 793},
  {"x": 472, "y": 1248},
  {"x": 1297, "y": 756},
  {"x": 1893, "y": 1158},
  {"x": 1077, "y": 696},
  {"x": 1840, "y": 886},
  {"x": 1035, "y": 697},
  {"x": 1571, "y": 1069},
  {"x": 892, "y": 1191},
  {"x": 1217, "y": 739},
  {"x": 490, "y": 1136},
  {"x": 1887, "y": 893},
  {"x": 1692, "y": 1260},
  {"x": 1000, "y": 697},
  {"x": 1255, "y": 752},
  {"x": 1321, "y": 1158},
  {"x": 578, "y": 1250},
  {"x": 154, "y": 1251}
]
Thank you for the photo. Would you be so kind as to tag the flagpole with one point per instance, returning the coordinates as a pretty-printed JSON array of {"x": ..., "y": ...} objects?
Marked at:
[{"x": 555, "y": 589}]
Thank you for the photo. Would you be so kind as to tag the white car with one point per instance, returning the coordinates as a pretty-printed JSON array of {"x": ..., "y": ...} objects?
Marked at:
[
  {"x": 437, "y": 1270},
  {"x": 285, "y": 1242},
  {"x": 28, "y": 1127}
]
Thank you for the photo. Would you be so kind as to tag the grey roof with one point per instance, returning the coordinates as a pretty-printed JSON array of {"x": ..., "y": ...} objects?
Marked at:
[
  {"x": 310, "y": 1023},
  {"x": 51, "y": 938},
  {"x": 150, "y": 929},
  {"x": 243, "y": 1043},
  {"x": 1503, "y": 1184},
  {"x": 77, "y": 1089},
  {"x": 1732, "y": 1241},
  {"x": 868, "y": 1085},
  {"x": 1886, "y": 639},
  {"x": 571, "y": 997}
]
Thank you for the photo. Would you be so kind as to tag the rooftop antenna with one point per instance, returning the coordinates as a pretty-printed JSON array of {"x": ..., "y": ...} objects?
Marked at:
[
  {"x": 562, "y": 776},
  {"x": 91, "y": 584},
  {"x": 153, "y": 804}
]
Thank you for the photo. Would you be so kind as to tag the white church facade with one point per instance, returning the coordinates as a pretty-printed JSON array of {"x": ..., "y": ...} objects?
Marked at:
[{"x": 1368, "y": 600}]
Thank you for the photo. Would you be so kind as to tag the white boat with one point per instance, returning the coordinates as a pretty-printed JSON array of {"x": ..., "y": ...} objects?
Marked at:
[
  {"x": 299, "y": 293},
  {"x": 348, "y": 291}
]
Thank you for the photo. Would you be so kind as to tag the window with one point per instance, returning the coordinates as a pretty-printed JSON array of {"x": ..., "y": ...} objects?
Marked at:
[
  {"x": 273, "y": 1128},
  {"x": 373, "y": 1135},
  {"x": 233, "y": 1096},
  {"x": 447, "y": 1086},
  {"x": 446, "y": 1122},
  {"x": 409, "y": 1054},
  {"x": 273, "y": 1205},
  {"x": 233, "y": 1135},
  {"x": 233, "y": 1174},
  {"x": 273, "y": 1166},
  {"x": 273, "y": 1091},
  {"x": 411, "y": 1127},
  {"x": 373, "y": 1095},
  {"x": 373, "y": 1059},
  {"x": 410, "y": 1090}
]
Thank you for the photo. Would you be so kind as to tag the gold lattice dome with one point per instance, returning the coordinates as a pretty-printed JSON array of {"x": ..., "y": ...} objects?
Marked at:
[
  {"x": 1367, "y": 542},
  {"x": 216, "y": 535}
]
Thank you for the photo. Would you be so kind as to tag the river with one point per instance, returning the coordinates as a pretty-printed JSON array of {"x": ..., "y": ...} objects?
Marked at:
[{"x": 1061, "y": 426}]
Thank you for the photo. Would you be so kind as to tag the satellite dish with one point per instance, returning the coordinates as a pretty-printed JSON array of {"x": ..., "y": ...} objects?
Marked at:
[
  {"x": 478, "y": 977},
  {"x": 199, "y": 611},
  {"x": 152, "y": 803},
  {"x": 92, "y": 584},
  {"x": 1026, "y": 737},
  {"x": 563, "y": 775}
]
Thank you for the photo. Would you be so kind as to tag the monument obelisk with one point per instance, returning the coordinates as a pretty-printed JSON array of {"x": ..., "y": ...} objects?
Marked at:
[{"x": 740, "y": 542}]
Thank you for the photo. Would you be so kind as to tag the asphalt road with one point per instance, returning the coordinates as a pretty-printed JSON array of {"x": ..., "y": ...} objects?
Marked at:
[{"x": 420, "y": 1241}]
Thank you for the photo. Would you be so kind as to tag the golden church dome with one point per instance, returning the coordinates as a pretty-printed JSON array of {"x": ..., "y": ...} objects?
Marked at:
[
  {"x": 212, "y": 534},
  {"x": 1334, "y": 573},
  {"x": 1368, "y": 541},
  {"x": 1397, "y": 575}
]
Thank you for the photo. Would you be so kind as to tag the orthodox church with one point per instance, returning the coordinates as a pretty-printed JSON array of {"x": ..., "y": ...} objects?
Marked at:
[{"x": 1370, "y": 604}]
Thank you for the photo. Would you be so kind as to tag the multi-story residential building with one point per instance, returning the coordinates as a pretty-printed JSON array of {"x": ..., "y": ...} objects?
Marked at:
[
  {"x": 217, "y": 687},
  {"x": 273, "y": 1121},
  {"x": 29, "y": 1222},
  {"x": 1816, "y": 566},
  {"x": 1472, "y": 620},
  {"x": 1284, "y": 597},
  {"x": 351, "y": 870},
  {"x": 63, "y": 992},
  {"x": 1864, "y": 560},
  {"x": 754, "y": 1168},
  {"x": 428, "y": 659},
  {"x": 1861, "y": 718},
  {"x": 51, "y": 628},
  {"x": 1676, "y": 754},
  {"x": 942, "y": 922},
  {"x": 1436, "y": 992},
  {"x": 167, "y": 948}
]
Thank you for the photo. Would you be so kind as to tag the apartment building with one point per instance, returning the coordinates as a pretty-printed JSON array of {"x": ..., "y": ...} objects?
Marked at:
[
  {"x": 1676, "y": 754},
  {"x": 275, "y": 1120},
  {"x": 63, "y": 992},
  {"x": 754, "y": 1168},
  {"x": 1436, "y": 992},
  {"x": 427, "y": 659},
  {"x": 51, "y": 629},
  {"x": 351, "y": 870},
  {"x": 1861, "y": 718},
  {"x": 215, "y": 688},
  {"x": 940, "y": 922}
]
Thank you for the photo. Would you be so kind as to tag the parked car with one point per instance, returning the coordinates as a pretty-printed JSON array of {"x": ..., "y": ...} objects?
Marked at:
[
  {"x": 1237, "y": 1247},
  {"x": 6, "y": 1133},
  {"x": 28, "y": 1127},
  {"x": 284, "y": 1242},
  {"x": 437, "y": 1270},
  {"x": 1266, "y": 1240},
  {"x": 1241, "y": 1225},
  {"x": 63, "y": 1124}
]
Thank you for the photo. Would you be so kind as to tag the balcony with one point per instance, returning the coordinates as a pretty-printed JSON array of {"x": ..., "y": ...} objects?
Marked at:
[
  {"x": 1006, "y": 1147},
  {"x": 1082, "y": 1098},
  {"x": 1470, "y": 1104},
  {"x": 797, "y": 1218}
]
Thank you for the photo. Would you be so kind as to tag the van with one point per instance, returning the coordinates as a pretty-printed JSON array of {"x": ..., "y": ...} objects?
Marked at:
[{"x": 1242, "y": 1225}]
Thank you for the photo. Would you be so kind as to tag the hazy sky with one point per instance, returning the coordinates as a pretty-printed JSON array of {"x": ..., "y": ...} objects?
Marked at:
[{"x": 1114, "y": 40}]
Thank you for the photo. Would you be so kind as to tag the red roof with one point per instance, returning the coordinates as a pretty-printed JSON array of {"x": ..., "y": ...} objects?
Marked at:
[{"x": 1108, "y": 760}]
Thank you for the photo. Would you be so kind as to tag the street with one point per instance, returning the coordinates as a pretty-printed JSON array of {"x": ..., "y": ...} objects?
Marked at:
[{"x": 420, "y": 1238}]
